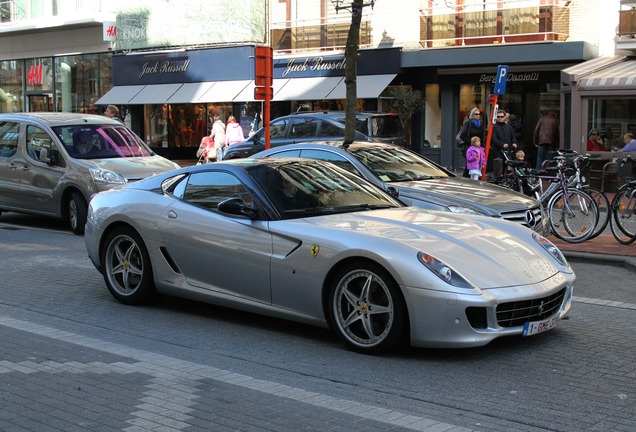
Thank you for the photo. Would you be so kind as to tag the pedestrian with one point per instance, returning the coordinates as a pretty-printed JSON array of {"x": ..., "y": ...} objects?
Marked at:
[
  {"x": 594, "y": 141},
  {"x": 475, "y": 158},
  {"x": 503, "y": 135},
  {"x": 520, "y": 155},
  {"x": 233, "y": 131},
  {"x": 218, "y": 135},
  {"x": 472, "y": 127},
  {"x": 630, "y": 143},
  {"x": 546, "y": 136},
  {"x": 517, "y": 125},
  {"x": 112, "y": 112}
]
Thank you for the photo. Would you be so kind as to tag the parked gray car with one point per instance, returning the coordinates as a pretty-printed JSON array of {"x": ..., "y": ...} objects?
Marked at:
[
  {"x": 52, "y": 163},
  {"x": 321, "y": 126},
  {"x": 421, "y": 182}
]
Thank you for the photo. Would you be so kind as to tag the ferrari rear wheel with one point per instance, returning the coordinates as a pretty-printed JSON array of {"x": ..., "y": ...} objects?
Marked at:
[
  {"x": 127, "y": 268},
  {"x": 367, "y": 309}
]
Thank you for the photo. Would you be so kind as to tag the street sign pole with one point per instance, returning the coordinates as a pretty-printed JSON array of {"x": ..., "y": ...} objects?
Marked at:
[{"x": 493, "y": 99}]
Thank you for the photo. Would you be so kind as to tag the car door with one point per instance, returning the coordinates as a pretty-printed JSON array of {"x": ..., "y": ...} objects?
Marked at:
[
  {"x": 11, "y": 166},
  {"x": 41, "y": 180},
  {"x": 227, "y": 254}
]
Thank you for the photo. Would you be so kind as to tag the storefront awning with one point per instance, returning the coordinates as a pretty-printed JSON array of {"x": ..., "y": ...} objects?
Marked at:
[
  {"x": 119, "y": 95},
  {"x": 367, "y": 86},
  {"x": 610, "y": 72},
  {"x": 313, "y": 88},
  {"x": 154, "y": 94},
  {"x": 226, "y": 91},
  {"x": 326, "y": 88}
]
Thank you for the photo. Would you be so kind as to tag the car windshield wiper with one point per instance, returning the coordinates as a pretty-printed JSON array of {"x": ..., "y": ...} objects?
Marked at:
[{"x": 357, "y": 207}]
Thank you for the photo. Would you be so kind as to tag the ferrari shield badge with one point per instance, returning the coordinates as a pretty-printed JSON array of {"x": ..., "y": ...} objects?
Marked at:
[{"x": 314, "y": 250}]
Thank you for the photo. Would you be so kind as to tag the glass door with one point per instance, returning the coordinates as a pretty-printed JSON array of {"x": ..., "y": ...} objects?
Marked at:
[{"x": 40, "y": 103}]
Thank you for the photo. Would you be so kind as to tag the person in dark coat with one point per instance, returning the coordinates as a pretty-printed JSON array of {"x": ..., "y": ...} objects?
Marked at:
[
  {"x": 473, "y": 126},
  {"x": 546, "y": 136},
  {"x": 503, "y": 136}
]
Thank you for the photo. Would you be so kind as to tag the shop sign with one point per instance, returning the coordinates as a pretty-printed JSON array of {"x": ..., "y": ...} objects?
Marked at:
[
  {"x": 35, "y": 75},
  {"x": 313, "y": 64},
  {"x": 163, "y": 67},
  {"x": 109, "y": 31},
  {"x": 511, "y": 77}
]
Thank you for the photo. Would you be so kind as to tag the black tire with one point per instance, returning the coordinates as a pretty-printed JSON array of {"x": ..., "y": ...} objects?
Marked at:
[
  {"x": 619, "y": 235},
  {"x": 76, "y": 209},
  {"x": 604, "y": 209},
  {"x": 367, "y": 310},
  {"x": 624, "y": 211},
  {"x": 577, "y": 226},
  {"x": 127, "y": 268}
]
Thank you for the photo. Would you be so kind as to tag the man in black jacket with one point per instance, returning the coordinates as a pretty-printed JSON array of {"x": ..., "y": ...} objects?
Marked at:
[{"x": 503, "y": 136}]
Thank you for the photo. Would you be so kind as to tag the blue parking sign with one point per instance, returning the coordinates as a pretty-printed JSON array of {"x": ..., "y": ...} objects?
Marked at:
[{"x": 501, "y": 79}]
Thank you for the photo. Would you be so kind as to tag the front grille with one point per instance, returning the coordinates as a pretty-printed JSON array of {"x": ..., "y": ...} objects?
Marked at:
[
  {"x": 522, "y": 217},
  {"x": 518, "y": 313}
]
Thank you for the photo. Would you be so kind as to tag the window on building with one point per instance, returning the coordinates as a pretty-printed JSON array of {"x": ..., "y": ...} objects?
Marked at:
[{"x": 612, "y": 118}]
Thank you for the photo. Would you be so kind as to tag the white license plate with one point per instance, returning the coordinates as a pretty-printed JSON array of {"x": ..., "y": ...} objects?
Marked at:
[{"x": 535, "y": 327}]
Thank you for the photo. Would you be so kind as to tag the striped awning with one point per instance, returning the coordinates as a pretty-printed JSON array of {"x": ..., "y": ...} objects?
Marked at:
[{"x": 603, "y": 73}]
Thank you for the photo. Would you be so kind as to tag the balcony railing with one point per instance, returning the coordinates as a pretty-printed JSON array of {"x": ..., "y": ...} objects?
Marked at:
[
  {"x": 492, "y": 22},
  {"x": 317, "y": 37}
]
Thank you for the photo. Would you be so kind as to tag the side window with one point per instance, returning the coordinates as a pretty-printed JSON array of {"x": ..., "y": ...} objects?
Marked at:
[
  {"x": 9, "y": 135},
  {"x": 330, "y": 130},
  {"x": 36, "y": 141},
  {"x": 303, "y": 128},
  {"x": 208, "y": 189},
  {"x": 277, "y": 129},
  {"x": 334, "y": 158}
]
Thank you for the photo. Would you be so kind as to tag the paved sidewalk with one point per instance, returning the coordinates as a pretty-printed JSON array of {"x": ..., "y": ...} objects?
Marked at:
[{"x": 603, "y": 248}]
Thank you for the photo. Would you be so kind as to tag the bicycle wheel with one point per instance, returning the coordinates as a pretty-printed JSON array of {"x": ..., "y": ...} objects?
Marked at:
[
  {"x": 604, "y": 207},
  {"x": 624, "y": 211},
  {"x": 572, "y": 216},
  {"x": 619, "y": 235}
]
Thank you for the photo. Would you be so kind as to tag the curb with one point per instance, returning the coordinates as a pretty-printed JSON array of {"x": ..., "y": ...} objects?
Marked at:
[{"x": 627, "y": 262}]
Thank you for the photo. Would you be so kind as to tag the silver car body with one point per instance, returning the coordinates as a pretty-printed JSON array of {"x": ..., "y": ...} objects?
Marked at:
[
  {"x": 285, "y": 267},
  {"x": 387, "y": 166},
  {"x": 38, "y": 173}
]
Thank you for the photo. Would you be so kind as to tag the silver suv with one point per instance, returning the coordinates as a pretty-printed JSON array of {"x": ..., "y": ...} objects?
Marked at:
[
  {"x": 51, "y": 163},
  {"x": 324, "y": 126}
]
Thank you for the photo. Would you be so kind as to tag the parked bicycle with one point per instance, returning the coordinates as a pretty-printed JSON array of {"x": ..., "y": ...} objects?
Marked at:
[
  {"x": 623, "y": 218},
  {"x": 573, "y": 212}
]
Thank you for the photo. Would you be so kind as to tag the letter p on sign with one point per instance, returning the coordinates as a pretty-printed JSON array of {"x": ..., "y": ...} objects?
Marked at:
[{"x": 500, "y": 80}]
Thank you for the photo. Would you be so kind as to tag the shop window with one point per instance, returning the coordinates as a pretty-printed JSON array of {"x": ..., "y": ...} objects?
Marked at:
[{"x": 613, "y": 118}]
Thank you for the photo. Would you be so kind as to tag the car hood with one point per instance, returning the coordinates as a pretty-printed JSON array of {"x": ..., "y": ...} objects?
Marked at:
[
  {"x": 456, "y": 190},
  {"x": 134, "y": 168},
  {"x": 493, "y": 252}
]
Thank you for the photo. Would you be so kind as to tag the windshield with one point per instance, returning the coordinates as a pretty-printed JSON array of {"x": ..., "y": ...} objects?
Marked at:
[
  {"x": 394, "y": 164},
  {"x": 101, "y": 141},
  {"x": 299, "y": 189}
]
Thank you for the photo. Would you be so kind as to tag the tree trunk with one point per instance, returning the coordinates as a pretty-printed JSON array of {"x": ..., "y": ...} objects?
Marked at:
[{"x": 351, "y": 70}]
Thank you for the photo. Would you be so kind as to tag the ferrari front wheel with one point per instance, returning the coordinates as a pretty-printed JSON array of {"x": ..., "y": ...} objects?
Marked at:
[
  {"x": 367, "y": 309},
  {"x": 126, "y": 266}
]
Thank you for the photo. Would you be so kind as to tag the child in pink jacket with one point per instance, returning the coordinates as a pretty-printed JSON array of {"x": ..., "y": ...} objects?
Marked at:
[
  {"x": 475, "y": 158},
  {"x": 233, "y": 131}
]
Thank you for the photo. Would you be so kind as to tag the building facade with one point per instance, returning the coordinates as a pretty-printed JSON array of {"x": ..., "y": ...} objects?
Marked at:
[{"x": 68, "y": 60}]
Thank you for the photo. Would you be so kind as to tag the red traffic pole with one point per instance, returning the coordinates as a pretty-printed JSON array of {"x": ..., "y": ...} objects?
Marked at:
[{"x": 492, "y": 100}]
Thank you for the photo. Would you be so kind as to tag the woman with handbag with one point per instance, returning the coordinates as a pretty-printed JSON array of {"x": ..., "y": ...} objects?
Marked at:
[{"x": 472, "y": 127}]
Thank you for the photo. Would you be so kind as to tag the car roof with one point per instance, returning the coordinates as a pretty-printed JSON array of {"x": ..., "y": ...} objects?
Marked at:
[
  {"x": 60, "y": 118},
  {"x": 342, "y": 113}
]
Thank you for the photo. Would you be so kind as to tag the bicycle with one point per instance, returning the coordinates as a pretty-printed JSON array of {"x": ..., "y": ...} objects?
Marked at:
[
  {"x": 573, "y": 213},
  {"x": 623, "y": 219}
]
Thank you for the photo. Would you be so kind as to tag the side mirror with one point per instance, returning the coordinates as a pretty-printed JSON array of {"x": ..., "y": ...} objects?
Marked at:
[
  {"x": 393, "y": 191},
  {"x": 236, "y": 206},
  {"x": 44, "y": 156}
]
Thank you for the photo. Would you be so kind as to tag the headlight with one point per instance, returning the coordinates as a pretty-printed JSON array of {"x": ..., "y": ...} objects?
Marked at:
[
  {"x": 462, "y": 210},
  {"x": 443, "y": 271},
  {"x": 102, "y": 176},
  {"x": 550, "y": 248}
]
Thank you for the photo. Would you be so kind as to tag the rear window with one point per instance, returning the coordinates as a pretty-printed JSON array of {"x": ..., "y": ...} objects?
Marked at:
[{"x": 101, "y": 142}]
